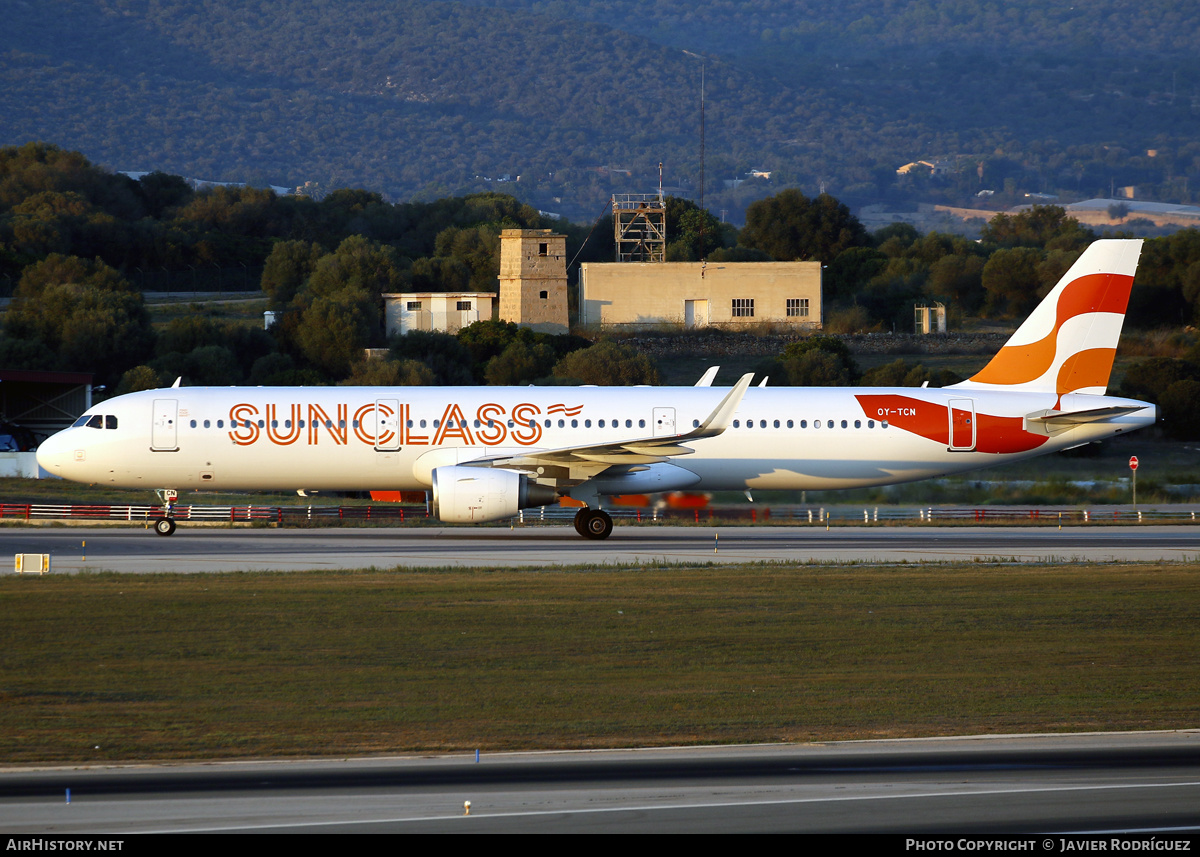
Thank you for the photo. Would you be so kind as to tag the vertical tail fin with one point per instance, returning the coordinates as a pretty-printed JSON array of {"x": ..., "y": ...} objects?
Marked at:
[{"x": 1068, "y": 342}]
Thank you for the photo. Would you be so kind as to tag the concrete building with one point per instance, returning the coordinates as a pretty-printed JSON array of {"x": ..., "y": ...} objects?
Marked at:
[
  {"x": 697, "y": 294},
  {"x": 448, "y": 312},
  {"x": 533, "y": 279}
]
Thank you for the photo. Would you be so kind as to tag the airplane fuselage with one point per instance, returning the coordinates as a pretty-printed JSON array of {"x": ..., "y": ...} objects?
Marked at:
[{"x": 362, "y": 438}]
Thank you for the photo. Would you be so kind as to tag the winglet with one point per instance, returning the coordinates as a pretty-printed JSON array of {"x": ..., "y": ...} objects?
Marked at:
[
  {"x": 707, "y": 378},
  {"x": 720, "y": 418}
]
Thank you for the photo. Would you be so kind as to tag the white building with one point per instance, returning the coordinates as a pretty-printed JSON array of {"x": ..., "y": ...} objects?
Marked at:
[{"x": 445, "y": 311}]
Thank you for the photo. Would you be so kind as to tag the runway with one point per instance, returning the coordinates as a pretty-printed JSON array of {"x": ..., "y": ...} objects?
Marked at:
[
  {"x": 207, "y": 549},
  {"x": 1035, "y": 785}
]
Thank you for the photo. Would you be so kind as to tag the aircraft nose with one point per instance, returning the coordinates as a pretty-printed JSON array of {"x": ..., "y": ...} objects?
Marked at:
[{"x": 54, "y": 453}]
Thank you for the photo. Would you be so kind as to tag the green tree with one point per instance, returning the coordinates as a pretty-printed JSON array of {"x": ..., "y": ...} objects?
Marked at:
[
  {"x": 1045, "y": 226},
  {"x": 1011, "y": 280},
  {"x": 381, "y": 372},
  {"x": 446, "y": 357},
  {"x": 138, "y": 378},
  {"x": 790, "y": 226},
  {"x": 520, "y": 363},
  {"x": 336, "y": 328},
  {"x": 693, "y": 233},
  {"x": 287, "y": 268},
  {"x": 85, "y": 312},
  {"x": 1180, "y": 406},
  {"x": 359, "y": 265},
  {"x": 607, "y": 364}
]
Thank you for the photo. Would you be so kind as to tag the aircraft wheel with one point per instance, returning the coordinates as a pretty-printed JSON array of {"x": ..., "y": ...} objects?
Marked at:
[
  {"x": 164, "y": 526},
  {"x": 597, "y": 525},
  {"x": 580, "y": 517}
]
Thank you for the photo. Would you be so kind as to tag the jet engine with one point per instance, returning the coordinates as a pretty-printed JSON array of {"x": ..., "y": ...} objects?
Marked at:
[{"x": 473, "y": 495}]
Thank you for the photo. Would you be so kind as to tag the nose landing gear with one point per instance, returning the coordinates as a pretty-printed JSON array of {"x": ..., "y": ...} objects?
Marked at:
[{"x": 165, "y": 525}]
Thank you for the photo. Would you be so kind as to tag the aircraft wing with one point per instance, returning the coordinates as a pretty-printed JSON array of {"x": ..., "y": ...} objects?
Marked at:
[{"x": 584, "y": 462}]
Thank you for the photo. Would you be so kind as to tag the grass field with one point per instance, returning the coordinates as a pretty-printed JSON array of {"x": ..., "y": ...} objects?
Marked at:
[{"x": 117, "y": 667}]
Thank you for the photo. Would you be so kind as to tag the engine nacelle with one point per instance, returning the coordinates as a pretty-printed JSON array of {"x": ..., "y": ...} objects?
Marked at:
[{"x": 474, "y": 495}]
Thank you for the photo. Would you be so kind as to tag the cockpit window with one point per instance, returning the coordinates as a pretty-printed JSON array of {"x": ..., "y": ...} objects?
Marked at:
[
  {"x": 110, "y": 422},
  {"x": 96, "y": 421},
  {"x": 82, "y": 421}
]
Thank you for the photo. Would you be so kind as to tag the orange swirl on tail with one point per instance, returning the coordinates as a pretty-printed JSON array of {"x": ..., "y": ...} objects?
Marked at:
[{"x": 1021, "y": 364}]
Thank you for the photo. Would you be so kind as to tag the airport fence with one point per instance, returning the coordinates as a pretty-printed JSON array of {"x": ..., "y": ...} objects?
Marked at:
[{"x": 396, "y": 514}]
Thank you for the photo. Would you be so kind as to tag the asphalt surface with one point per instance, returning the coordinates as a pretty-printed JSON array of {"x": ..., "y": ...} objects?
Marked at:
[
  {"x": 196, "y": 548},
  {"x": 1146, "y": 783}
]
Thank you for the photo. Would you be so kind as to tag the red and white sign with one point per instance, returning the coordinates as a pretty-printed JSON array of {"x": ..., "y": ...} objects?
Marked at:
[{"x": 1133, "y": 462}]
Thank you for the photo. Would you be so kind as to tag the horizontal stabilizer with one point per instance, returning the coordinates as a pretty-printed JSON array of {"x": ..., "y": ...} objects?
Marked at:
[{"x": 1070, "y": 418}]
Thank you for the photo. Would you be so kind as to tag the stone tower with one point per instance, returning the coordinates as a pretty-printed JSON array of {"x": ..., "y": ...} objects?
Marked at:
[{"x": 533, "y": 279}]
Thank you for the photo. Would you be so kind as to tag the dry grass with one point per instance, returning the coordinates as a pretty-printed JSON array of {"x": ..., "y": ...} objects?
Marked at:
[{"x": 236, "y": 665}]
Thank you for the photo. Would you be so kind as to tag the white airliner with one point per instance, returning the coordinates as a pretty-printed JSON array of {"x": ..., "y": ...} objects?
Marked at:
[{"x": 486, "y": 452}]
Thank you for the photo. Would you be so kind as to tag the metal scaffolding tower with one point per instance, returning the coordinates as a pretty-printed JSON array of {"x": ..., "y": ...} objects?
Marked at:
[{"x": 640, "y": 227}]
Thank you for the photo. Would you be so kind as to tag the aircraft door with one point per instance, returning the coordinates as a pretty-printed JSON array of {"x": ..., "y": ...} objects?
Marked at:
[
  {"x": 664, "y": 422},
  {"x": 962, "y": 425},
  {"x": 164, "y": 432},
  {"x": 387, "y": 425}
]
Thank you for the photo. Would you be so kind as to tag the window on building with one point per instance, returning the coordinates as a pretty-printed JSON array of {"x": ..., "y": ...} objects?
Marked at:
[
  {"x": 543, "y": 295},
  {"x": 464, "y": 305},
  {"x": 797, "y": 307},
  {"x": 414, "y": 306},
  {"x": 743, "y": 307},
  {"x": 543, "y": 249}
]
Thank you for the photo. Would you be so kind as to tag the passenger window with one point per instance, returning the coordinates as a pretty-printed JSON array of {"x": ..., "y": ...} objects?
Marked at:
[
  {"x": 207, "y": 424},
  {"x": 829, "y": 424},
  {"x": 737, "y": 424},
  {"x": 193, "y": 424},
  {"x": 641, "y": 423},
  {"x": 844, "y": 424}
]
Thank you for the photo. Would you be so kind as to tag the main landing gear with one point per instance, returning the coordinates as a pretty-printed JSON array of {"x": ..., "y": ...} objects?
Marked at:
[
  {"x": 165, "y": 525},
  {"x": 593, "y": 524}
]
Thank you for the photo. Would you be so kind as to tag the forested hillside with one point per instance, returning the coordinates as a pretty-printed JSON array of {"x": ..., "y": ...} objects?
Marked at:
[{"x": 580, "y": 99}]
